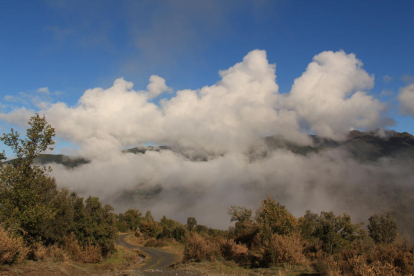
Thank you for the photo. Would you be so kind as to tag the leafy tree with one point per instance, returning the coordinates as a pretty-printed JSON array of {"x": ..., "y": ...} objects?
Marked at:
[
  {"x": 101, "y": 224},
  {"x": 63, "y": 223},
  {"x": 382, "y": 228},
  {"x": 240, "y": 214},
  {"x": 307, "y": 225},
  {"x": 274, "y": 218},
  {"x": 201, "y": 229},
  {"x": 26, "y": 191},
  {"x": 149, "y": 226},
  {"x": 245, "y": 228},
  {"x": 130, "y": 220},
  {"x": 179, "y": 233},
  {"x": 191, "y": 223},
  {"x": 94, "y": 223},
  {"x": 335, "y": 232}
]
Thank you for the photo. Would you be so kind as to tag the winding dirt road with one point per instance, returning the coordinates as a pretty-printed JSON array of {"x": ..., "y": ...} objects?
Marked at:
[{"x": 158, "y": 260}]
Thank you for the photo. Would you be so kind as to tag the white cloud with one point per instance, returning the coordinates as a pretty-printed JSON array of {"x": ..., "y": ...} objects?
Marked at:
[
  {"x": 157, "y": 86},
  {"x": 406, "y": 98},
  {"x": 329, "y": 97},
  {"x": 44, "y": 90},
  {"x": 227, "y": 116}
]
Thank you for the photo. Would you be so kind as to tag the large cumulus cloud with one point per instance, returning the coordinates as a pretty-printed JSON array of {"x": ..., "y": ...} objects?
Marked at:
[{"x": 328, "y": 99}]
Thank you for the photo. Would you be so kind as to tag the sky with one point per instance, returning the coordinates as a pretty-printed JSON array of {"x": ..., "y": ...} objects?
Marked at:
[
  {"x": 209, "y": 78},
  {"x": 64, "y": 48}
]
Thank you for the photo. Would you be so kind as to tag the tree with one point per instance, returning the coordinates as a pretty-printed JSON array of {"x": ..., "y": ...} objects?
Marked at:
[
  {"x": 274, "y": 218},
  {"x": 130, "y": 220},
  {"x": 25, "y": 188},
  {"x": 335, "y": 232},
  {"x": 240, "y": 214},
  {"x": 245, "y": 228},
  {"x": 382, "y": 228},
  {"x": 191, "y": 223}
]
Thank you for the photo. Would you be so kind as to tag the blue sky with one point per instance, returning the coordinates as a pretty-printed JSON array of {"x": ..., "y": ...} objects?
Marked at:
[{"x": 71, "y": 46}]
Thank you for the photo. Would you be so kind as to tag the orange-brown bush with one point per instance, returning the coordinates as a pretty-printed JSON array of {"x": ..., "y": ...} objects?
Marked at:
[
  {"x": 89, "y": 253},
  {"x": 200, "y": 248},
  {"x": 283, "y": 249},
  {"x": 364, "y": 258},
  {"x": 233, "y": 251},
  {"x": 12, "y": 249},
  {"x": 57, "y": 253},
  {"x": 38, "y": 252}
]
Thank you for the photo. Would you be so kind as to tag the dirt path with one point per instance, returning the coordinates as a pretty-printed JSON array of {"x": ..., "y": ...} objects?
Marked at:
[{"x": 158, "y": 260}]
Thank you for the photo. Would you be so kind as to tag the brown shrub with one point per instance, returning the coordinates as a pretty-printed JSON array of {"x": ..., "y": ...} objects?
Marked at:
[
  {"x": 89, "y": 253},
  {"x": 231, "y": 250},
  {"x": 328, "y": 266},
  {"x": 365, "y": 258},
  {"x": 38, "y": 252},
  {"x": 12, "y": 249},
  {"x": 284, "y": 249},
  {"x": 56, "y": 253},
  {"x": 313, "y": 250},
  {"x": 199, "y": 248}
]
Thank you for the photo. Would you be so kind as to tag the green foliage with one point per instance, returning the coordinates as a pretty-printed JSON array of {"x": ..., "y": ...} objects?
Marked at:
[
  {"x": 307, "y": 225},
  {"x": 191, "y": 223},
  {"x": 179, "y": 233},
  {"x": 335, "y": 232},
  {"x": 382, "y": 228},
  {"x": 26, "y": 190},
  {"x": 149, "y": 226},
  {"x": 129, "y": 221},
  {"x": 274, "y": 218},
  {"x": 240, "y": 214}
]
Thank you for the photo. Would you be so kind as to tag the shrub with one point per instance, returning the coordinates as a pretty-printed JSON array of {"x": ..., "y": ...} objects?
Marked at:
[
  {"x": 12, "y": 249},
  {"x": 284, "y": 249},
  {"x": 56, "y": 253},
  {"x": 367, "y": 259},
  {"x": 274, "y": 218},
  {"x": 230, "y": 250},
  {"x": 38, "y": 252},
  {"x": 199, "y": 248},
  {"x": 89, "y": 253}
]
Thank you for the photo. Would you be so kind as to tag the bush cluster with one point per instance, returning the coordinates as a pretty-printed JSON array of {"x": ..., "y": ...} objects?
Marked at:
[{"x": 330, "y": 243}]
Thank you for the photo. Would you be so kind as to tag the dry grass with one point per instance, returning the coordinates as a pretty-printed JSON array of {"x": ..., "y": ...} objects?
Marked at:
[{"x": 12, "y": 249}]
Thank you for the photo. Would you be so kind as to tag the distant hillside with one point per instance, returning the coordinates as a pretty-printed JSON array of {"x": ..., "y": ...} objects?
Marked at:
[{"x": 364, "y": 146}]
